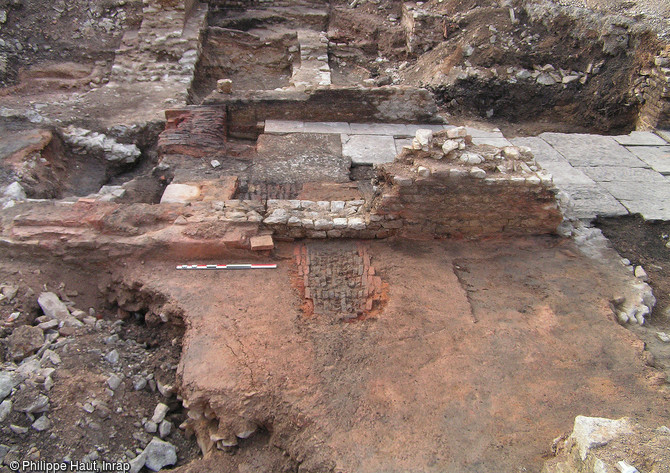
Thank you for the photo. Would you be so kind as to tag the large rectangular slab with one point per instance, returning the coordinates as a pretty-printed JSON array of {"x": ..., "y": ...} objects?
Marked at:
[
  {"x": 379, "y": 129},
  {"x": 592, "y": 150},
  {"x": 369, "y": 149},
  {"x": 640, "y": 138},
  {"x": 638, "y": 191},
  {"x": 400, "y": 142},
  {"x": 649, "y": 209},
  {"x": 622, "y": 174},
  {"x": 543, "y": 151},
  {"x": 327, "y": 127},
  {"x": 649, "y": 199},
  {"x": 565, "y": 174},
  {"x": 477, "y": 133},
  {"x": 284, "y": 126},
  {"x": 411, "y": 129},
  {"x": 590, "y": 201},
  {"x": 658, "y": 157},
  {"x": 492, "y": 141}
]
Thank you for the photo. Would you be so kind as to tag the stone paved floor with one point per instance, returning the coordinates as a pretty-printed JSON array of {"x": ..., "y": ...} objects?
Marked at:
[
  {"x": 608, "y": 175},
  {"x": 603, "y": 175}
]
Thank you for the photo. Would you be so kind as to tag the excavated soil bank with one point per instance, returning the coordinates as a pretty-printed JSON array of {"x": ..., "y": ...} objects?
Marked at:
[{"x": 87, "y": 419}]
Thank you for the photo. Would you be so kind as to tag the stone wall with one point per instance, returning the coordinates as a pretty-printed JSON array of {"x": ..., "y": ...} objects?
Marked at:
[
  {"x": 250, "y": 61},
  {"x": 167, "y": 44},
  {"x": 354, "y": 104},
  {"x": 423, "y": 29},
  {"x": 454, "y": 202},
  {"x": 654, "y": 88}
]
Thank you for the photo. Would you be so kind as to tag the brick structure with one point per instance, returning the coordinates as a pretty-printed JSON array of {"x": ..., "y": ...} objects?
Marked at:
[
  {"x": 196, "y": 132},
  {"x": 452, "y": 202},
  {"x": 338, "y": 281}
]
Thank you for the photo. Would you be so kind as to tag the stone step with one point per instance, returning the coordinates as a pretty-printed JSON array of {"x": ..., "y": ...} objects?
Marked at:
[{"x": 314, "y": 69}]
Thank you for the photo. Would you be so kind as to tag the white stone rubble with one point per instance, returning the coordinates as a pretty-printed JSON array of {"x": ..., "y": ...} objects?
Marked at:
[{"x": 88, "y": 141}]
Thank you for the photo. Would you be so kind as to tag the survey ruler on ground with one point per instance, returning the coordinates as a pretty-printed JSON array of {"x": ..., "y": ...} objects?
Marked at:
[{"x": 227, "y": 266}]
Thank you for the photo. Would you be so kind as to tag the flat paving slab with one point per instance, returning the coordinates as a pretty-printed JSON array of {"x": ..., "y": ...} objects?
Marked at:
[
  {"x": 552, "y": 161},
  {"x": 401, "y": 142},
  {"x": 640, "y": 138},
  {"x": 622, "y": 174},
  {"x": 300, "y": 158},
  {"x": 592, "y": 150},
  {"x": 543, "y": 151},
  {"x": 326, "y": 127},
  {"x": 369, "y": 149},
  {"x": 604, "y": 177},
  {"x": 380, "y": 129},
  {"x": 649, "y": 199},
  {"x": 411, "y": 128},
  {"x": 658, "y": 157},
  {"x": 391, "y": 129},
  {"x": 653, "y": 191},
  {"x": 589, "y": 201},
  {"x": 479, "y": 133},
  {"x": 563, "y": 174},
  {"x": 650, "y": 210},
  {"x": 284, "y": 126},
  {"x": 492, "y": 141}
]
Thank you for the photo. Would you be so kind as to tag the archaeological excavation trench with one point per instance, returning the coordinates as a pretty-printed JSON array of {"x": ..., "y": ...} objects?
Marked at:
[{"x": 416, "y": 191}]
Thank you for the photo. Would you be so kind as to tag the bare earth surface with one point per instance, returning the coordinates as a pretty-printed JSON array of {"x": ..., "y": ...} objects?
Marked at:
[{"x": 477, "y": 368}]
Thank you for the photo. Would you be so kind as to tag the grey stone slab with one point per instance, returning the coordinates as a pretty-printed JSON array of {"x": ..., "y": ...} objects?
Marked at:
[
  {"x": 564, "y": 174},
  {"x": 311, "y": 72},
  {"x": 592, "y": 150},
  {"x": 369, "y": 149},
  {"x": 658, "y": 157},
  {"x": 639, "y": 191},
  {"x": 411, "y": 129},
  {"x": 284, "y": 126},
  {"x": 640, "y": 138},
  {"x": 544, "y": 153},
  {"x": 649, "y": 209},
  {"x": 478, "y": 133},
  {"x": 379, "y": 129},
  {"x": 589, "y": 201},
  {"x": 400, "y": 142},
  {"x": 326, "y": 127},
  {"x": 492, "y": 141},
  {"x": 665, "y": 134},
  {"x": 622, "y": 174}
]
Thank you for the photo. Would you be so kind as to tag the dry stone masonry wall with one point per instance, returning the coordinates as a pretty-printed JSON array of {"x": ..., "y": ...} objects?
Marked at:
[{"x": 654, "y": 89}]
